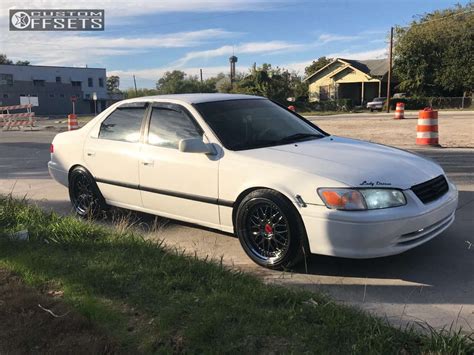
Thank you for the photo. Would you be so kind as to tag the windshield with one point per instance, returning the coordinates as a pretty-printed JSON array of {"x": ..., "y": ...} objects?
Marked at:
[{"x": 254, "y": 123}]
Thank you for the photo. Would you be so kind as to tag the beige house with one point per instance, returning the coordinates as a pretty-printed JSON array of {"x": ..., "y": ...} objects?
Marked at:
[{"x": 358, "y": 80}]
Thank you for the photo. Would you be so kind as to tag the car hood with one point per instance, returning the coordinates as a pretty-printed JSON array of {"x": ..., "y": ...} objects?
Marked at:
[{"x": 351, "y": 162}]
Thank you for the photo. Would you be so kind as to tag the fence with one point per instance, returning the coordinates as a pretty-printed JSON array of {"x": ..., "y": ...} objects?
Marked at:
[
  {"x": 411, "y": 103},
  {"x": 416, "y": 103},
  {"x": 19, "y": 120}
]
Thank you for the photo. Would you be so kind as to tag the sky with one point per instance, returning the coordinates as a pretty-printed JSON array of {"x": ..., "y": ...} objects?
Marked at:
[{"x": 148, "y": 38}]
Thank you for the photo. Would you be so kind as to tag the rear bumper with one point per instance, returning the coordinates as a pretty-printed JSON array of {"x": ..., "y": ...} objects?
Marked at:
[
  {"x": 58, "y": 174},
  {"x": 370, "y": 234}
]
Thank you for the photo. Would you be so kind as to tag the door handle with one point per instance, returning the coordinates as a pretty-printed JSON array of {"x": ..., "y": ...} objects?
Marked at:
[
  {"x": 90, "y": 154},
  {"x": 147, "y": 162}
]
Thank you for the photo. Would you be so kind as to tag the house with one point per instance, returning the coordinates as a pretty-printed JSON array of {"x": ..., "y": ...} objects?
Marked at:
[
  {"x": 52, "y": 88},
  {"x": 358, "y": 80}
]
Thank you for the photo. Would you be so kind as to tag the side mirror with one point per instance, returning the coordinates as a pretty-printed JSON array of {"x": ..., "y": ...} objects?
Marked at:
[{"x": 195, "y": 145}]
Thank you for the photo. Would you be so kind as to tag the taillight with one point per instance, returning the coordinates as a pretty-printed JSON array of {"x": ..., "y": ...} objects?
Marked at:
[{"x": 51, "y": 149}]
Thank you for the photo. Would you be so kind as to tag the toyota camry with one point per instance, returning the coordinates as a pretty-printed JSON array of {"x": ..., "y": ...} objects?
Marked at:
[{"x": 246, "y": 165}]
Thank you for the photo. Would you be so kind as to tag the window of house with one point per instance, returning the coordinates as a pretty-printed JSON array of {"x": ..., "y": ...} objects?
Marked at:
[
  {"x": 61, "y": 95},
  {"x": 324, "y": 92},
  {"x": 6, "y": 79},
  {"x": 123, "y": 124},
  {"x": 58, "y": 79},
  {"x": 76, "y": 83},
  {"x": 101, "y": 82},
  {"x": 38, "y": 82},
  {"x": 88, "y": 96},
  {"x": 90, "y": 82},
  {"x": 51, "y": 95},
  {"x": 5, "y": 96},
  {"x": 168, "y": 126}
]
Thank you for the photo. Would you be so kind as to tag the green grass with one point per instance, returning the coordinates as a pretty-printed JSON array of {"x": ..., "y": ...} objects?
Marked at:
[{"x": 152, "y": 299}]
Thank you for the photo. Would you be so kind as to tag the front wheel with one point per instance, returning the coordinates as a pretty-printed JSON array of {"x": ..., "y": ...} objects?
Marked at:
[
  {"x": 86, "y": 199},
  {"x": 270, "y": 230}
]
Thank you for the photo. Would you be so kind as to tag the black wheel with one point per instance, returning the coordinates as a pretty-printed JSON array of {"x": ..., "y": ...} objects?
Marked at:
[
  {"x": 84, "y": 194},
  {"x": 270, "y": 230}
]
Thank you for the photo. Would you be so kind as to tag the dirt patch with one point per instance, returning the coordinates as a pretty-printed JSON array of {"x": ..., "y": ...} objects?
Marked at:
[
  {"x": 453, "y": 132},
  {"x": 27, "y": 328}
]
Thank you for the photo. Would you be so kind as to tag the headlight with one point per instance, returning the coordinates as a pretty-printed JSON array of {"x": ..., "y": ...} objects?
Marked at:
[
  {"x": 383, "y": 198},
  {"x": 361, "y": 199}
]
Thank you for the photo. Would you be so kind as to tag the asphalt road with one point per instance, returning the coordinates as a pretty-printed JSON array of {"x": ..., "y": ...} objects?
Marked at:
[{"x": 433, "y": 283}]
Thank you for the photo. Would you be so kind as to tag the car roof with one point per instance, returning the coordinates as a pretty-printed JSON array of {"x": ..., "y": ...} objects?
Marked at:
[{"x": 196, "y": 98}]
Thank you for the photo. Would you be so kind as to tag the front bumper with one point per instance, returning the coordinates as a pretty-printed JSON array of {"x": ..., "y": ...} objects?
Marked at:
[
  {"x": 376, "y": 233},
  {"x": 374, "y": 107}
]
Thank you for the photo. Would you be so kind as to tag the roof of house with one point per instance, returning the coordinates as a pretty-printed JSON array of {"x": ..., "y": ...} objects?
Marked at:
[
  {"x": 372, "y": 67},
  {"x": 375, "y": 67}
]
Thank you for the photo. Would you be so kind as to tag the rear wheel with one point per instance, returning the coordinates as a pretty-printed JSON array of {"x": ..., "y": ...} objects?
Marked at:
[
  {"x": 270, "y": 229},
  {"x": 84, "y": 194}
]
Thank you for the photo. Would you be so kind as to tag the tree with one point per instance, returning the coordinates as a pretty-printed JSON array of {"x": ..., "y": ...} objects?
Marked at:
[
  {"x": 178, "y": 82},
  {"x": 211, "y": 84},
  {"x": 433, "y": 56},
  {"x": 113, "y": 84},
  {"x": 316, "y": 65},
  {"x": 274, "y": 83},
  {"x": 175, "y": 82},
  {"x": 131, "y": 93},
  {"x": 4, "y": 59}
]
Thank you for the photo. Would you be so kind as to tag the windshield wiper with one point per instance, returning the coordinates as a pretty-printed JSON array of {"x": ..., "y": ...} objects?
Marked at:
[{"x": 298, "y": 137}]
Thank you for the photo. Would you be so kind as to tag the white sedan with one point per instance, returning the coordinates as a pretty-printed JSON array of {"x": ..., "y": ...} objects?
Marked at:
[{"x": 246, "y": 165}]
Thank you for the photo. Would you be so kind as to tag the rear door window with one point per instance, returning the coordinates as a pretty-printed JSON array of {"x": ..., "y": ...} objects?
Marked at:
[{"x": 124, "y": 124}]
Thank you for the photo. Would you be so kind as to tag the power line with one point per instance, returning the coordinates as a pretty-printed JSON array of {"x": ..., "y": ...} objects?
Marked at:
[{"x": 437, "y": 19}]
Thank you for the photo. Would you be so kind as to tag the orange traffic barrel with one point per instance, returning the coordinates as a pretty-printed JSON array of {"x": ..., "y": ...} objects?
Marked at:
[
  {"x": 72, "y": 122},
  {"x": 400, "y": 111},
  {"x": 427, "y": 128}
]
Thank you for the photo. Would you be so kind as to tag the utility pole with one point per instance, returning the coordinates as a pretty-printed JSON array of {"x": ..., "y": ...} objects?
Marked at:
[
  {"x": 389, "y": 77},
  {"x": 200, "y": 71},
  {"x": 135, "y": 84}
]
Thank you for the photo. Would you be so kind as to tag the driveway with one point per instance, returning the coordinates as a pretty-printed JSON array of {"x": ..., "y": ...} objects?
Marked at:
[{"x": 433, "y": 283}]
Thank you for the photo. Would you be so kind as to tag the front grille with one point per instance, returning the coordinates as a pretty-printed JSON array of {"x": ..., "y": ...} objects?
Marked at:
[{"x": 431, "y": 190}]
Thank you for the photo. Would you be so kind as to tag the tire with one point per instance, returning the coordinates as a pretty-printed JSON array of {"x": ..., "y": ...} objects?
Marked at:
[
  {"x": 270, "y": 230},
  {"x": 85, "y": 196}
]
